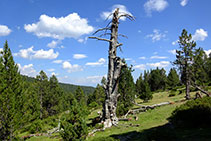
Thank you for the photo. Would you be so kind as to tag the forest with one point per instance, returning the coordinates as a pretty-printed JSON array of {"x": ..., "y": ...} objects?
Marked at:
[{"x": 159, "y": 105}]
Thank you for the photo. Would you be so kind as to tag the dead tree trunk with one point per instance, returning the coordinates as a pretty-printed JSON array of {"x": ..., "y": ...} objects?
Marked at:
[{"x": 114, "y": 68}]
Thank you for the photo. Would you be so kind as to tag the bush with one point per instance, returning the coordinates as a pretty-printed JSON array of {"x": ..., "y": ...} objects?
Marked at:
[
  {"x": 93, "y": 105},
  {"x": 194, "y": 113}
]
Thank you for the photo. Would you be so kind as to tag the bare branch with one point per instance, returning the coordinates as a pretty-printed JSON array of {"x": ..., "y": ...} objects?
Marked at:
[
  {"x": 109, "y": 16},
  {"x": 101, "y": 29},
  {"x": 104, "y": 34},
  {"x": 100, "y": 39},
  {"x": 130, "y": 17},
  {"x": 118, "y": 45},
  {"x": 123, "y": 35}
]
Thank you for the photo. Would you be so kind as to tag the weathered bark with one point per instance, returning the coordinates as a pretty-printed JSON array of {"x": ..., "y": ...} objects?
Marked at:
[
  {"x": 187, "y": 80},
  {"x": 115, "y": 64},
  {"x": 203, "y": 91}
]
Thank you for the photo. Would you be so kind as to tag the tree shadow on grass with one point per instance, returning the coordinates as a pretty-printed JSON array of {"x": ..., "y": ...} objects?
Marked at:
[{"x": 167, "y": 133}]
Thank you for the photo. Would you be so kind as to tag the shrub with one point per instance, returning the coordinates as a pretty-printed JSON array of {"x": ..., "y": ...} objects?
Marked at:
[{"x": 194, "y": 113}]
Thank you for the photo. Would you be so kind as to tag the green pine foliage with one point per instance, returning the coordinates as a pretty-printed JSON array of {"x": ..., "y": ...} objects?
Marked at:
[
  {"x": 126, "y": 90},
  {"x": 97, "y": 98},
  {"x": 173, "y": 78},
  {"x": 157, "y": 79},
  {"x": 11, "y": 95},
  {"x": 143, "y": 89},
  {"x": 74, "y": 123}
]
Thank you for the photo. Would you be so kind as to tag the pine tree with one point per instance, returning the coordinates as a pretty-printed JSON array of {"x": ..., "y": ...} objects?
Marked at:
[
  {"x": 42, "y": 85},
  {"x": 80, "y": 96},
  {"x": 173, "y": 78},
  {"x": 74, "y": 123},
  {"x": 10, "y": 95},
  {"x": 97, "y": 97},
  {"x": 55, "y": 95},
  {"x": 143, "y": 89},
  {"x": 184, "y": 57},
  {"x": 199, "y": 74},
  {"x": 126, "y": 91}
]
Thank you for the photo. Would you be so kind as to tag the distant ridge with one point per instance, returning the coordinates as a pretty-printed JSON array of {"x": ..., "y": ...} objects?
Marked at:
[{"x": 66, "y": 87}]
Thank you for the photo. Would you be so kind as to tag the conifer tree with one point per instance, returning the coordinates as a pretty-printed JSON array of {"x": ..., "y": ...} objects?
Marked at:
[
  {"x": 143, "y": 88},
  {"x": 74, "y": 123},
  {"x": 42, "y": 85},
  {"x": 126, "y": 90},
  {"x": 173, "y": 78},
  {"x": 80, "y": 96},
  {"x": 55, "y": 95},
  {"x": 10, "y": 95},
  {"x": 184, "y": 58}
]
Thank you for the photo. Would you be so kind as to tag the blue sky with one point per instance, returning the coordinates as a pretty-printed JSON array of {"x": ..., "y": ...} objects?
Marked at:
[{"x": 52, "y": 35}]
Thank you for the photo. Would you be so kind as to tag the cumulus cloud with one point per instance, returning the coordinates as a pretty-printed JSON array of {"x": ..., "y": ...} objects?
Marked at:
[
  {"x": 158, "y": 57},
  {"x": 161, "y": 64},
  {"x": 27, "y": 70},
  {"x": 142, "y": 58},
  {"x": 57, "y": 61},
  {"x": 79, "y": 56},
  {"x": 141, "y": 67},
  {"x": 71, "y": 26},
  {"x": 101, "y": 61},
  {"x": 172, "y": 51},
  {"x": 29, "y": 53},
  {"x": 155, "y": 5},
  {"x": 183, "y": 2},
  {"x": 207, "y": 52},
  {"x": 71, "y": 68},
  {"x": 4, "y": 30},
  {"x": 122, "y": 10},
  {"x": 200, "y": 35},
  {"x": 54, "y": 44},
  {"x": 1, "y": 49},
  {"x": 156, "y": 35}
]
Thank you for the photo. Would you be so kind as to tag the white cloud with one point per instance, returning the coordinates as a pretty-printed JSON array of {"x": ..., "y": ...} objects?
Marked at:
[
  {"x": 71, "y": 26},
  {"x": 71, "y": 68},
  {"x": 200, "y": 35},
  {"x": 57, "y": 61},
  {"x": 158, "y": 57},
  {"x": 142, "y": 58},
  {"x": 183, "y": 2},
  {"x": 79, "y": 56},
  {"x": 101, "y": 61},
  {"x": 161, "y": 64},
  {"x": 207, "y": 52},
  {"x": 156, "y": 35},
  {"x": 4, "y": 30},
  {"x": 155, "y": 5},
  {"x": 50, "y": 70},
  {"x": 27, "y": 70},
  {"x": 53, "y": 73},
  {"x": 174, "y": 42},
  {"x": 1, "y": 49},
  {"x": 122, "y": 10},
  {"x": 141, "y": 67},
  {"x": 172, "y": 51},
  {"x": 39, "y": 54},
  {"x": 52, "y": 44}
]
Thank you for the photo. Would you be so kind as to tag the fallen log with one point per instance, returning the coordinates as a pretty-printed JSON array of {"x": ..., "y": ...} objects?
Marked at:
[{"x": 203, "y": 91}]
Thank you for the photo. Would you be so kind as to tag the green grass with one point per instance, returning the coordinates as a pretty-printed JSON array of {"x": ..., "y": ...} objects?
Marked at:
[{"x": 153, "y": 124}]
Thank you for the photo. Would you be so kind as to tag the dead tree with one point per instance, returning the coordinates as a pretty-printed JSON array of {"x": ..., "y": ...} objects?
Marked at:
[{"x": 115, "y": 64}]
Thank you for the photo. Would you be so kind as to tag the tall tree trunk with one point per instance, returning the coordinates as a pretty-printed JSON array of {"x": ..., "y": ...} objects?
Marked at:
[
  {"x": 114, "y": 68},
  {"x": 187, "y": 80}
]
